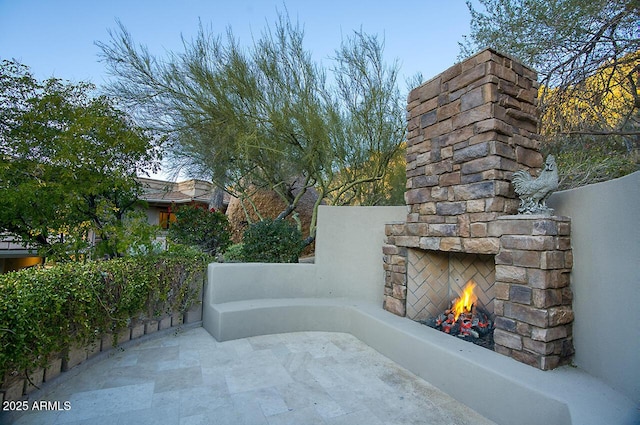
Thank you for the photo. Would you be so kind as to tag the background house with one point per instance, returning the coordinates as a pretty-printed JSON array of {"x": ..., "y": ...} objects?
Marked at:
[{"x": 160, "y": 198}]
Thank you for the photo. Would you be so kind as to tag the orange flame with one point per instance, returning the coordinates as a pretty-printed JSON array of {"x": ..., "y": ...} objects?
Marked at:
[{"x": 464, "y": 303}]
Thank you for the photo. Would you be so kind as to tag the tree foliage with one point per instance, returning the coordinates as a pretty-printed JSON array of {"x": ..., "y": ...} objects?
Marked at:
[
  {"x": 68, "y": 162},
  {"x": 587, "y": 54},
  {"x": 266, "y": 116}
]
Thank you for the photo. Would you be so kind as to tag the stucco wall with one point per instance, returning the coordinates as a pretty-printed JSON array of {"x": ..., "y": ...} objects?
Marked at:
[
  {"x": 349, "y": 250},
  {"x": 605, "y": 235}
]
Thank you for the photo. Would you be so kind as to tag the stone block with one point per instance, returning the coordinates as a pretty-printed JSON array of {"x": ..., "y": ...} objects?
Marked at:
[
  {"x": 549, "y": 334},
  {"x": 503, "y": 323},
  {"x": 429, "y": 118},
  {"x": 476, "y": 205},
  {"x": 493, "y": 125},
  {"x": 93, "y": 348},
  {"x": 520, "y": 294},
  {"x": 479, "y": 190},
  {"x": 511, "y": 274},
  {"x": 430, "y": 243},
  {"x": 407, "y": 241},
  {"x": 417, "y": 229},
  {"x": 527, "y": 242},
  {"x": 560, "y": 315},
  {"x": 529, "y": 157},
  {"x": 549, "y": 362},
  {"x": 53, "y": 369},
  {"x": 471, "y": 152},
  {"x": 467, "y": 77},
  {"x": 523, "y": 329},
  {"x": 137, "y": 330},
  {"x": 481, "y": 164},
  {"x": 424, "y": 181},
  {"x": 544, "y": 227},
  {"x": 451, "y": 244},
  {"x": 526, "y": 258},
  {"x": 451, "y": 208},
  {"x": 442, "y": 230},
  {"x": 449, "y": 179},
  {"x": 74, "y": 355},
  {"x": 417, "y": 196},
  {"x": 545, "y": 298},
  {"x": 507, "y": 339},
  {"x": 504, "y": 257},
  {"x": 106, "y": 342},
  {"x": 552, "y": 260},
  {"x": 538, "y": 347},
  {"x": 34, "y": 381},
  {"x": 395, "y": 306},
  {"x": 510, "y": 227},
  {"x": 151, "y": 326},
  {"x": 478, "y": 230},
  {"x": 527, "y": 314},
  {"x": 194, "y": 314},
  {"x": 165, "y": 323},
  {"x": 177, "y": 319},
  {"x": 473, "y": 98},
  {"x": 501, "y": 291},
  {"x": 438, "y": 129},
  {"x": 426, "y": 91},
  {"x": 481, "y": 245},
  {"x": 124, "y": 335},
  {"x": 399, "y": 292},
  {"x": 13, "y": 388},
  {"x": 448, "y": 110}
]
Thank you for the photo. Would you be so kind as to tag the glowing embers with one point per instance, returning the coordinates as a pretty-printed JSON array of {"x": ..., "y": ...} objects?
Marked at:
[{"x": 466, "y": 319}]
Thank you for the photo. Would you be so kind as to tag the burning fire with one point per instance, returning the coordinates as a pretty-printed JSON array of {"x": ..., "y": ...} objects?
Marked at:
[
  {"x": 465, "y": 302},
  {"x": 464, "y": 318}
]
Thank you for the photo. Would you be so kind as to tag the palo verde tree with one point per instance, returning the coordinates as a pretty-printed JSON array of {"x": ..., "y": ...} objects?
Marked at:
[
  {"x": 68, "y": 163},
  {"x": 266, "y": 116},
  {"x": 587, "y": 54}
]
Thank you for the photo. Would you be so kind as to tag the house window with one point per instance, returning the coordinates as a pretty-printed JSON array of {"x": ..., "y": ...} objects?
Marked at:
[{"x": 166, "y": 218}]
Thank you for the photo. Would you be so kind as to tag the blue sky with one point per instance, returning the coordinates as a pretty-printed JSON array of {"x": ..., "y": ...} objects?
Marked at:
[{"x": 57, "y": 37}]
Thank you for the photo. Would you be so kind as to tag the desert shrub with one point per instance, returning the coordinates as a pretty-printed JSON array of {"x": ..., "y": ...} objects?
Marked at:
[
  {"x": 43, "y": 311},
  {"x": 198, "y": 226},
  {"x": 272, "y": 241},
  {"x": 588, "y": 159}
]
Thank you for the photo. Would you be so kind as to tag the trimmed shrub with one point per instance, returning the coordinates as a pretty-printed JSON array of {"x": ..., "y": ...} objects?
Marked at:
[
  {"x": 272, "y": 241},
  {"x": 43, "y": 311}
]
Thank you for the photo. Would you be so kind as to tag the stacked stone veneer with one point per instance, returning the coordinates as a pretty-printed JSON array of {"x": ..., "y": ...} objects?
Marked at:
[{"x": 469, "y": 129}]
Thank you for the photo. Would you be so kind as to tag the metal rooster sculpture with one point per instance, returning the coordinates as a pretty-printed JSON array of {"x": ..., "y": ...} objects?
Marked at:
[{"x": 533, "y": 192}]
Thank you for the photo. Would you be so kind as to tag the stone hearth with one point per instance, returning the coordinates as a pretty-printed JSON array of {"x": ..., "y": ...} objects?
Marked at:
[{"x": 469, "y": 129}]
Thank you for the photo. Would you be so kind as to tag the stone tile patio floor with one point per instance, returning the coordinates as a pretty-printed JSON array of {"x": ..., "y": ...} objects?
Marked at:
[{"x": 303, "y": 378}]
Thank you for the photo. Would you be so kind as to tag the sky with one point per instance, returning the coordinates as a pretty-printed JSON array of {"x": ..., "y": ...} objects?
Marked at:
[{"x": 56, "y": 38}]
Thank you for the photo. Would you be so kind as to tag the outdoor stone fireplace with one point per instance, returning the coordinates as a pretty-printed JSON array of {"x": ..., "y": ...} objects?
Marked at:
[{"x": 469, "y": 129}]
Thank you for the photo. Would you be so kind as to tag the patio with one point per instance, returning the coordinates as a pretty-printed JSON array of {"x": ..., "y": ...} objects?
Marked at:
[{"x": 187, "y": 377}]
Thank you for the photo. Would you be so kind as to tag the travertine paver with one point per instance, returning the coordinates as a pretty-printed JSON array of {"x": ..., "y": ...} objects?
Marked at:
[{"x": 302, "y": 378}]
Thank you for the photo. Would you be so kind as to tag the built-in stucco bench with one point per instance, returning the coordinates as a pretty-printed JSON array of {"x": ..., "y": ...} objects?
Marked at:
[{"x": 243, "y": 300}]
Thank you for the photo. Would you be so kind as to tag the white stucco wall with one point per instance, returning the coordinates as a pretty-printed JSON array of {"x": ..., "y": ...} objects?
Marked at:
[
  {"x": 605, "y": 235},
  {"x": 349, "y": 250}
]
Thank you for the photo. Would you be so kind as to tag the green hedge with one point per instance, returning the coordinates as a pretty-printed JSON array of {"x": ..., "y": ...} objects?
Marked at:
[{"x": 43, "y": 311}]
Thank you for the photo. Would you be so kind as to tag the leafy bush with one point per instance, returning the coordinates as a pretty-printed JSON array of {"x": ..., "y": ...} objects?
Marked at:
[
  {"x": 234, "y": 254},
  {"x": 43, "y": 311},
  {"x": 198, "y": 226},
  {"x": 272, "y": 241}
]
